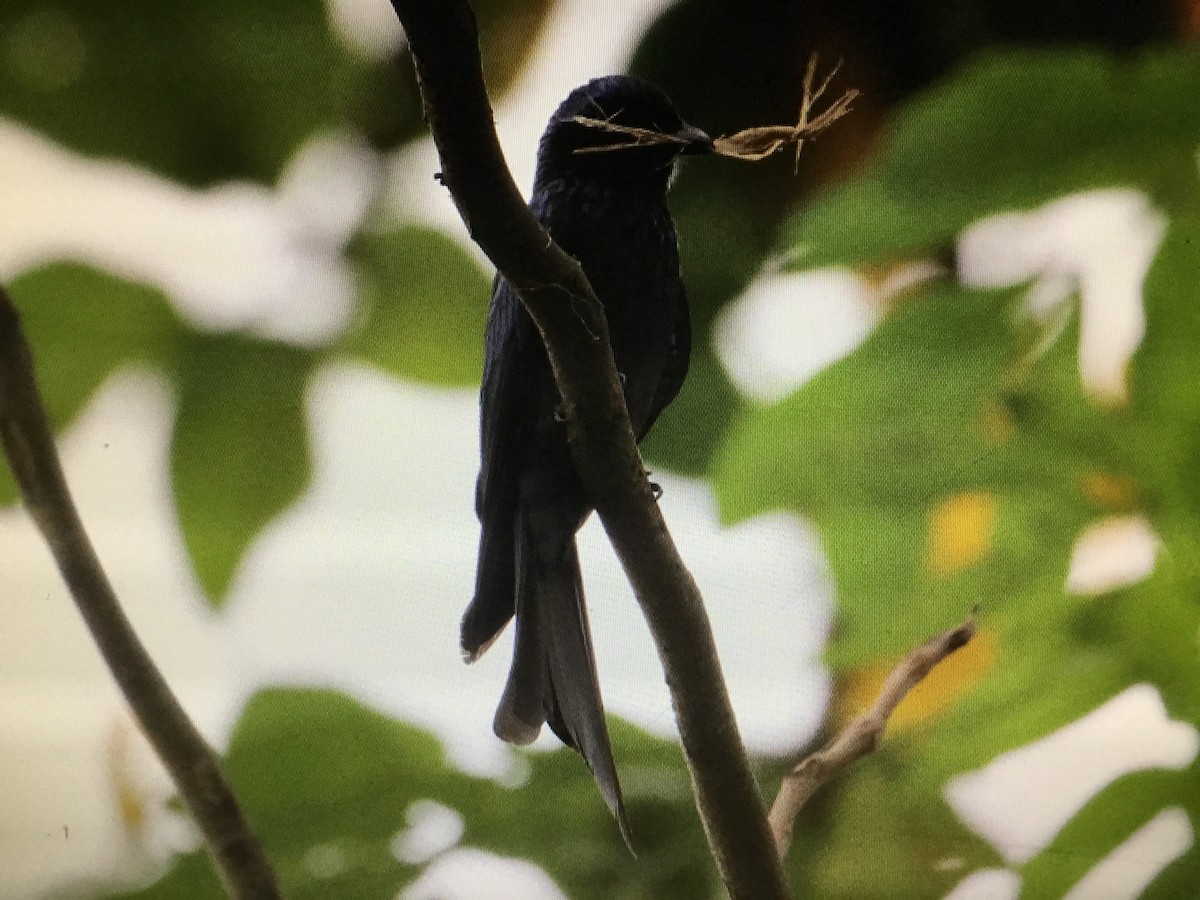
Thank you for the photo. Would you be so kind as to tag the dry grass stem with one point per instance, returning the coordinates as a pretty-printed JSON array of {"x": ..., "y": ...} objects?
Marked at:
[
  {"x": 642, "y": 137},
  {"x": 751, "y": 144}
]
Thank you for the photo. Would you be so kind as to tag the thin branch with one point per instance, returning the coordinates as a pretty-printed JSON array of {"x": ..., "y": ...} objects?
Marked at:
[
  {"x": 863, "y": 735},
  {"x": 444, "y": 43},
  {"x": 29, "y": 446}
]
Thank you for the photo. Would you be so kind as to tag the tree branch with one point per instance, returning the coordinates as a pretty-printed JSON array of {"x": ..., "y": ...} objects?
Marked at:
[
  {"x": 554, "y": 289},
  {"x": 29, "y": 446},
  {"x": 862, "y": 735}
]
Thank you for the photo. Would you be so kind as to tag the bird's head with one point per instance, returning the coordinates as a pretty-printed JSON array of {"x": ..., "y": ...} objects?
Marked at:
[{"x": 622, "y": 100}]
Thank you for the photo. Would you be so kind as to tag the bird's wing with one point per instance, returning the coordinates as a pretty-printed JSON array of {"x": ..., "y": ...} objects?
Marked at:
[
  {"x": 675, "y": 368},
  {"x": 498, "y": 397},
  {"x": 502, "y": 432}
]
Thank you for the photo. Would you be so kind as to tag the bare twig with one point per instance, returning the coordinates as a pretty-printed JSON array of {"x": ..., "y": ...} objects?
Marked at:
[
  {"x": 444, "y": 44},
  {"x": 862, "y": 735},
  {"x": 750, "y": 144},
  {"x": 29, "y": 446}
]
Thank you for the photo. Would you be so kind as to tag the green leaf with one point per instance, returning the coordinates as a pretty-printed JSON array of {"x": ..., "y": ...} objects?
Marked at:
[
  {"x": 81, "y": 325},
  {"x": 1003, "y": 710},
  {"x": 901, "y": 417},
  {"x": 239, "y": 453},
  {"x": 314, "y": 770},
  {"x": 1183, "y": 874},
  {"x": 1105, "y": 822},
  {"x": 872, "y": 835},
  {"x": 425, "y": 306},
  {"x": 198, "y": 89},
  {"x": 319, "y": 773},
  {"x": 1156, "y": 623},
  {"x": 1163, "y": 372},
  {"x": 686, "y": 434},
  {"x": 204, "y": 90},
  {"x": 1011, "y": 131},
  {"x": 557, "y": 820},
  {"x": 870, "y": 220},
  {"x": 948, "y": 420},
  {"x": 1154, "y": 629}
]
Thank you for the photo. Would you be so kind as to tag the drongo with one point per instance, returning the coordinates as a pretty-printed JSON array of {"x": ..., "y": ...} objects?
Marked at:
[{"x": 608, "y": 210}]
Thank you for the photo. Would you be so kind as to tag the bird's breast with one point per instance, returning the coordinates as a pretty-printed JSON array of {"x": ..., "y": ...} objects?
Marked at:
[{"x": 628, "y": 249}]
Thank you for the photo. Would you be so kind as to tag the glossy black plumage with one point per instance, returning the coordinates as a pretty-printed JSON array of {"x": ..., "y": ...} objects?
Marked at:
[{"x": 609, "y": 211}]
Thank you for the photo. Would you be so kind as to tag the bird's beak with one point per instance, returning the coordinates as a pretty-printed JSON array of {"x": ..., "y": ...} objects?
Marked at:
[{"x": 695, "y": 141}]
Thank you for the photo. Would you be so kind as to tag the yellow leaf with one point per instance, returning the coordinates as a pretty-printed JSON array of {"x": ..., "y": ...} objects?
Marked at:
[
  {"x": 1107, "y": 489},
  {"x": 961, "y": 528}
]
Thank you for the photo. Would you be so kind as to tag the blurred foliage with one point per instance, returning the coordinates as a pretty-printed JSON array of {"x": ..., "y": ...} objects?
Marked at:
[
  {"x": 954, "y": 457},
  {"x": 196, "y": 89},
  {"x": 240, "y": 449},
  {"x": 330, "y": 785},
  {"x": 730, "y": 66},
  {"x": 1046, "y": 124},
  {"x": 933, "y": 409},
  {"x": 1161, "y": 379},
  {"x": 201, "y": 93},
  {"x": 239, "y": 452},
  {"x": 423, "y": 306},
  {"x": 869, "y": 840},
  {"x": 82, "y": 325},
  {"x": 319, "y": 774},
  {"x": 203, "y": 90}
]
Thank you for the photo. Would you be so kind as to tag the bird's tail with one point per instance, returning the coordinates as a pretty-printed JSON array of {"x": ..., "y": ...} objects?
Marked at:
[{"x": 553, "y": 675}]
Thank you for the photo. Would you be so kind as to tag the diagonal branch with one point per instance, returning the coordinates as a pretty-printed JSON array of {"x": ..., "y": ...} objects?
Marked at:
[
  {"x": 444, "y": 43},
  {"x": 863, "y": 735},
  {"x": 29, "y": 446}
]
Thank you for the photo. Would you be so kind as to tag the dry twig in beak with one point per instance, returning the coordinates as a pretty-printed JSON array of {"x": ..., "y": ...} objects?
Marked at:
[
  {"x": 759, "y": 143},
  {"x": 752, "y": 144},
  {"x": 641, "y": 137}
]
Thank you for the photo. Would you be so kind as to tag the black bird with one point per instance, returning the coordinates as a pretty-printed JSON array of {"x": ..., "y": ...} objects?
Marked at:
[{"x": 608, "y": 210}]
